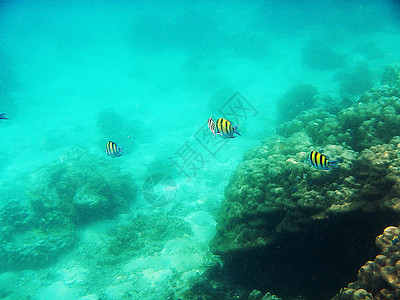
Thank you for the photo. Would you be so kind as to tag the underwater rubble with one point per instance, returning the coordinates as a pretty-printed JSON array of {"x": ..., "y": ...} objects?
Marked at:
[{"x": 295, "y": 230}]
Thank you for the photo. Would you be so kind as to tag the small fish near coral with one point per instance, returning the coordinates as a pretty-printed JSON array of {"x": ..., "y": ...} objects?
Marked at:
[
  {"x": 3, "y": 116},
  {"x": 223, "y": 128},
  {"x": 113, "y": 150},
  {"x": 320, "y": 161}
]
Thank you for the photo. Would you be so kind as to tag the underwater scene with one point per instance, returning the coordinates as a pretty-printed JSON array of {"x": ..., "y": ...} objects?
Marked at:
[{"x": 181, "y": 150}]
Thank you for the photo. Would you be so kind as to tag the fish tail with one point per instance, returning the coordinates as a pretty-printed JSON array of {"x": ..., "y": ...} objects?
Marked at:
[
  {"x": 333, "y": 164},
  {"x": 235, "y": 130}
]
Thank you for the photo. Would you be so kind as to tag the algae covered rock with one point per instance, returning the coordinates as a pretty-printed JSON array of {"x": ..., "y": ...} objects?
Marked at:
[{"x": 83, "y": 186}]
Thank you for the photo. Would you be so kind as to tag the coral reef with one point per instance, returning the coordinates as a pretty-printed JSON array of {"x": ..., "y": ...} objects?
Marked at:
[
  {"x": 275, "y": 204},
  {"x": 273, "y": 183},
  {"x": 373, "y": 120},
  {"x": 355, "y": 81},
  {"x": 77, "y": 189},
  {"x": 82, "y": 186},
  {"x": 391, "y": 76},
  {"x": 143, "y": 235},
  {"x": 27, "y": 242},
  {"x": 378, "y": 279},
  {"x": 297, "y": 99},
  {"x": 257, "y": 295}
]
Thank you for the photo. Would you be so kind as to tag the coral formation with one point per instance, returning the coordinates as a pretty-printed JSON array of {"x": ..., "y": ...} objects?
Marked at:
[
  {"x": 356, "y": 81},
  {"x": 142, "y": 235},
  {"x": 273, "y": 182},
  {"x": 275, "y": 199},
  {"x": 378, "y": 279},
  {"x": 257, "y": 295},
  {"x": 77, "y": 189},
  {"x": 82, "y": 186},
  {"x": 297, "y": 99},
  {"x": 26, "y": 241},
  {"x": 373, "y": 120},
  {"x": 391, "y": 76}
]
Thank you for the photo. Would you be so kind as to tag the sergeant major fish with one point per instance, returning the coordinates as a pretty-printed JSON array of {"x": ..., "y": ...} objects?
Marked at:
[
  {"x": 320, "y": 161},
  {"x": 3, "y": 116},
  {"x": 225, "y": 129},
  {"x": 113, "y": 150}
]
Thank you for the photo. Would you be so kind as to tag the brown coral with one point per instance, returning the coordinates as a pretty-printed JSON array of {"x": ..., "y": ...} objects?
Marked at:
[{"x": 379, "y": 279}]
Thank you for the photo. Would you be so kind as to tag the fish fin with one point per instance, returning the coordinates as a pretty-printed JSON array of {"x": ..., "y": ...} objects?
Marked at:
[{"x": 226, "y": 136}]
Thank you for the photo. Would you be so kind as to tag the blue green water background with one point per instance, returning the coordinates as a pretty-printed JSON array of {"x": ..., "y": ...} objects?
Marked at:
[{"x": 148, "y": 75}]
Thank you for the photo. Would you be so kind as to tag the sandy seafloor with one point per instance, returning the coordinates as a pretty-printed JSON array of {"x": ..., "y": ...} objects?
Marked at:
[{"x": 158, "y": 66}]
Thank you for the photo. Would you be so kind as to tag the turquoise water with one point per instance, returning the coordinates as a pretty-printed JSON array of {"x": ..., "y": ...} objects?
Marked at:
[{"x": 147, "y": 75}]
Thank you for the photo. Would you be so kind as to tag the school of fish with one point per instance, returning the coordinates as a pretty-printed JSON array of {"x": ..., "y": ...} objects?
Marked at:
[{"x": 224, "y": 128}]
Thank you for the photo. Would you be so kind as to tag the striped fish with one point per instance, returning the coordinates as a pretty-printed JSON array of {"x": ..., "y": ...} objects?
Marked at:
[
  {"x": 320, "y": 161},
  {"x": 3, "y": 116},
  {"x": 113, "y": 150},
  {"x": 225, "y": 128},
  {"x": 211, "y": 125}
]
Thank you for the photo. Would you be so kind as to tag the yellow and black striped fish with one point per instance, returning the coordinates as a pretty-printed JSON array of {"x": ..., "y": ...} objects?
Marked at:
[
  {"x": 225, "y": 128},
  {"x": 113, "y": 150},
  {"x": 320, "y": 161}
]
